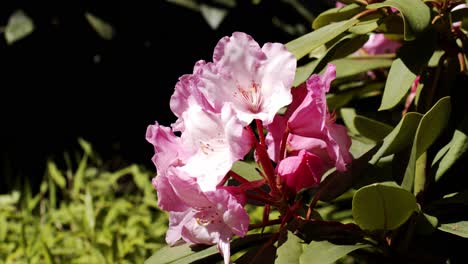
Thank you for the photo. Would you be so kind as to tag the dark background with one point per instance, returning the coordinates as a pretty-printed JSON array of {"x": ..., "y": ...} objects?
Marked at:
[{"x": 64, "y": 81}]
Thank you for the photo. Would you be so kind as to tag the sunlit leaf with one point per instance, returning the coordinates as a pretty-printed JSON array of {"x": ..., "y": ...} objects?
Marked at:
[
  {"x": 102, "y": 28},
  {"x": 431, "y": 126},
  {"x": 382, "y": 207},
  {"x": 416, "y": 15},
  {"x": 290, "y": 251},
  {"x": 306, "y": 43},
  {"x": 336, "y": 15},
  {"x": 19, "y": 26},
  {"x": 457, "y": 228},
  {"x": 56, "y": 174},
  {"x": 321, "y": 252},
  {"x": 213, "y": 15}
]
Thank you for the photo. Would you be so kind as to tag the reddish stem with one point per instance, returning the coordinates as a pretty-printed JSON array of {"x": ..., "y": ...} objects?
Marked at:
[
  {"x": 237, "y": 177},
  {"x": 224, "y": 180},
  {"x": 261, "y": 136},
  {"x": 312, "y": 205},
  {"x": 284, "y": 141}
]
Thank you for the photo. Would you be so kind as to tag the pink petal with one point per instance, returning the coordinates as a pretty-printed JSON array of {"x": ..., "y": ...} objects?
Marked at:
[
  {"x": 302, "y": 171},
  {"x": 176, "y": 222}
]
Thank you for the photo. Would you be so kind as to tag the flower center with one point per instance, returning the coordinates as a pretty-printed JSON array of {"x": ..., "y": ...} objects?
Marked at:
[{"x": 250, "y": 97}]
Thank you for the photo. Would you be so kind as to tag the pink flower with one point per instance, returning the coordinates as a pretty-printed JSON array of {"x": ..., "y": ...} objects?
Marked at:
[
  {"x": 379, "y": 44},
  {"x": 216, "y": 141},
  {"x": 209, "y": 217},
  {"x": 302, "y": 171},
  {"x": 256, "y": 81},
  {"x": 311, "y": 126},
  {"x": 339, "y": 4}
]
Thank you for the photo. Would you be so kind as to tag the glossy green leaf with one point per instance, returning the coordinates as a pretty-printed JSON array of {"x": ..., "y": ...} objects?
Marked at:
[
  {"x": 19, "y": 26},
  {"x": 398, "y": 83},
  {"x": 290, "y": 251},
  {"x": 400, "y": 138},
  {"x": 347, "y": 67},
  {"x": 366, "y": 127},
  {"x": 367, "y": 24},
  {"x": 324, "y": 252},
  {"x": 457, "y": 148},
  {"x": 382, "y": 207},
  {"x": 56, "y": 174},
  {"x": 416, "y": 15},
  {"x": 336, "y": 15},
  {"x": 247, "y": 170},
  {"x": 185, "y": 254},
  {"x": 304, "y": 72},
  {"x": 457, "y": 228},
  {"x": 431, "y": 126},
  {"x": 342, "y": 48},
  {"x": 102, "y": 28},
  {"x": 306, "y": 43}
]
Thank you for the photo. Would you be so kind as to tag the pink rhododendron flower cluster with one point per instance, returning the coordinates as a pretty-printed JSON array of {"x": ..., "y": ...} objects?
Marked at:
[{"x": 218, "y": 108}]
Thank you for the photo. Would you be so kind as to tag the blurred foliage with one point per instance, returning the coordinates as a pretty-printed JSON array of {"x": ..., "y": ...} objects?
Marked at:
[{"x": 82, "y": 214}]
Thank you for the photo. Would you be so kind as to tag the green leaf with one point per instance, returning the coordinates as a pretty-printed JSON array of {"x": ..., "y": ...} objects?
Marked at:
[
  {"x": 213, "y": 15},
  {"x": 290, "y": 251},
  {"x": 19, "y": 26},
  {"x": 367, "y": 24},
  {"x": 304, "y": 72},
  {"x": 416, "y": 15},
  {"x": 431, "y": 126},
  {"x": 47, "y": 253},
  {"x": 9, "y": 199},
  {"x": 382, "y": 207},
  {"x": 306, "y": 43},
  {"x": 247, "y": 170},
  {"x": 86, "y": 146},
  {"x": 336, "y": 15},
  {"x": 342, "y": 48},
  {"x": 400, "y": 138},
  {"x": 324, "y": 252},
  {"x": 102, "y": 28},
  {"x": 366, "y": 127},
  {"x": 90, "y": 218},
  {"x": 56, "y": 174},
  {"x": 348, "y": 67},
  {"x": 457, "y": 148},
  {"x": 79, "y": 175},
  {"x": 185, "y": 253},
  {"x": 398, "y": 83},
  {"x": 457, "y": 228},
  {"x": 3, "y": 228}
]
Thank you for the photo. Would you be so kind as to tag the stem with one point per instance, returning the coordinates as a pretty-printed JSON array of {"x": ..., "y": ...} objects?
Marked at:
[
  {"x": 261, "y": 136},
  {"x": 365, "y": 13},
  {"x": 284, "y": 141},
  {"x": 237, "y": 177},
  {"x": 461, "y": 60},
  {"x": 313, "y": 204},
  {"x": 362, "y": 2},
  {"x": 265, "y": 162}
]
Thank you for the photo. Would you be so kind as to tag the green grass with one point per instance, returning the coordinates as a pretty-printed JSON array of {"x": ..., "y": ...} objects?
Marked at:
[{"x": 83, "y": 214}]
